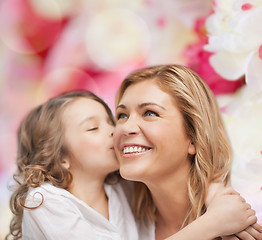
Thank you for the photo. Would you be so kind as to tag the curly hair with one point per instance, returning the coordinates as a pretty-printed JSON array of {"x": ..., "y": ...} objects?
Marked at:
[
  {"x": 204, "y": 127},
  {"x": 41, "y": 147}
]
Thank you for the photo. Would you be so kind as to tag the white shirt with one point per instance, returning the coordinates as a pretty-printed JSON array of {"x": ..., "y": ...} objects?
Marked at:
[{"x": 63, "y": 216}]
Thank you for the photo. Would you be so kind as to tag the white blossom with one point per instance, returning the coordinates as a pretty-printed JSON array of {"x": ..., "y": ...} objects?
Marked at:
[{"x": 235, "y": 37}]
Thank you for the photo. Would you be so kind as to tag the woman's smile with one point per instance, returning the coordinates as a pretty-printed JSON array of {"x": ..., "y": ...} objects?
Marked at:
[{"x": 133, "y": 150}]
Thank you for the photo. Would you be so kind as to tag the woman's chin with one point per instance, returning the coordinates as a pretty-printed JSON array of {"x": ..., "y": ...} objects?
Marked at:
[{"x": 132, "y": 175}]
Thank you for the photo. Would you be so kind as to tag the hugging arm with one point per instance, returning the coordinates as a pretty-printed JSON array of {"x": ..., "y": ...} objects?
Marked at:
[
  {"x": 227, "y": 214},
  {"x": 252, "y": 231}
]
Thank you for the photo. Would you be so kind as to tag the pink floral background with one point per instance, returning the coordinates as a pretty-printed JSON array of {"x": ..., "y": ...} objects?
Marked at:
[{"x": 51, "y": 46}]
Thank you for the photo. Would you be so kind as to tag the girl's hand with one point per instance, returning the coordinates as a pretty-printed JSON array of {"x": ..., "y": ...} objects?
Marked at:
[
  {"x": 253, "y": 232},
  {"x": 230, "y": 214},
  {"x": 245, "y": 216}
]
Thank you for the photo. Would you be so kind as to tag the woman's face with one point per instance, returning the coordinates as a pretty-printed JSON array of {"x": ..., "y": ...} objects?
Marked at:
[
  {"x": 149, "y": 139},
  {"x": 88, "y": 134}
]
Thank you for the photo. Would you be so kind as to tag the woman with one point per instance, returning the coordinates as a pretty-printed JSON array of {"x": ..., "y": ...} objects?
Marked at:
[{"x": 170, "y": 139}]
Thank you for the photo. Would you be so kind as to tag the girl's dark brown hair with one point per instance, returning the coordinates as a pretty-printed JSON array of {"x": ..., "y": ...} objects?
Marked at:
[{"x": 41, "y": 147}]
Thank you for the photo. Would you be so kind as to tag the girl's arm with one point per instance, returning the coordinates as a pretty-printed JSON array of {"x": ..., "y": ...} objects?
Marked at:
[
  {"x": 227, "y": 213},
  {"x": 252, "y": 232}
]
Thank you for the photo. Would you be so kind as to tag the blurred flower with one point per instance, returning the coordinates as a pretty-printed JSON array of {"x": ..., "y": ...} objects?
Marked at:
[
  {"x": 235, "y": 40},
  {"x": 235, "y": 35},
  {"x": 26, "y": 32},
  {"x": 55, "y": 9},
  {"x": 198, "y": 60},
  {"x": 243, "y": 122}
]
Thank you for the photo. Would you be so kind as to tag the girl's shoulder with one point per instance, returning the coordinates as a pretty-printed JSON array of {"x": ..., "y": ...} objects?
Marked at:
[{"x": 47, "y": 191}]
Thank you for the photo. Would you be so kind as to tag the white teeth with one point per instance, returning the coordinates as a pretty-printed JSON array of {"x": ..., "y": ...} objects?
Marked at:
[{"x": 133, "y": 149}]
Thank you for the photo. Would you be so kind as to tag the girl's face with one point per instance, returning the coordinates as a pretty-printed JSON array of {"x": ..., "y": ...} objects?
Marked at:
[
  {"x": 88, "y": 134},
  {"x": 149, "y": 139}
]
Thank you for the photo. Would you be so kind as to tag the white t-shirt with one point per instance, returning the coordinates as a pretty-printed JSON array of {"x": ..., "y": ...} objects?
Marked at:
[{"x": 63, "y": 216}]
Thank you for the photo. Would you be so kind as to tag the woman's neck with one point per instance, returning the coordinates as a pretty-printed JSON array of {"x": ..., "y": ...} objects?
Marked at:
[
  {"x": 91, "y": 192},
  {"x": 171, "y": 200}
]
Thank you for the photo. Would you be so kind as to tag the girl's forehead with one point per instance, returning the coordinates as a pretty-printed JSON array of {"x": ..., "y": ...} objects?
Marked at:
[{"x": 84, "y": 108}]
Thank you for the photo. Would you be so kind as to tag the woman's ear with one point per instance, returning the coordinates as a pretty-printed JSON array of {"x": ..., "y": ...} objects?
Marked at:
[
  {"x": 191, "y": 149},
  {"x": 65, "y": 162}
]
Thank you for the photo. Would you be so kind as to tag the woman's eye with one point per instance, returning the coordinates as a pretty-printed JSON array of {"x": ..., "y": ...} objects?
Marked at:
[
  {"x": 121, "y": 115},
  {"x": 150, "y": 113}
]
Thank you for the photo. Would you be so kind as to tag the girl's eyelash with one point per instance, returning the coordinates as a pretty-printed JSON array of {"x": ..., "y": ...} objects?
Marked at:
[{"x": 92, "y": 129}]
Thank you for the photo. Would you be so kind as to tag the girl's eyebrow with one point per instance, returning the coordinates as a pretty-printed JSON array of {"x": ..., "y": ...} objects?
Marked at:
[
  {"x": 87, "y": 119},
  {"x": 142, "y": 105}
]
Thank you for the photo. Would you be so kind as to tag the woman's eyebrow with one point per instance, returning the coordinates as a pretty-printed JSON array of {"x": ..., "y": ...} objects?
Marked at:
[
  {"x": 121, "y": 106},
  {"x": 142, "y": 105},
  {"x": 150, "y": 104}
]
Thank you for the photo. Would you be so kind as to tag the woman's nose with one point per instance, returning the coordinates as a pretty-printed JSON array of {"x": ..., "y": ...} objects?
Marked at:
[{"x": 130, "y": 126}]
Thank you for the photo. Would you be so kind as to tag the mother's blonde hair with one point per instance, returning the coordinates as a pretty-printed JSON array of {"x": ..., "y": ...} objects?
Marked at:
[{"x": 203, "y": 125}]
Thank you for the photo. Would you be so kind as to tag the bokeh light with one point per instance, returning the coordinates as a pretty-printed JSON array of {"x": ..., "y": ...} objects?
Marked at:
[{"x": 116, "y": 38}]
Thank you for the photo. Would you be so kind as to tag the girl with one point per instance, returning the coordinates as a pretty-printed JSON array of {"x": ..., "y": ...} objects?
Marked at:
[
  {"x": 65, "y": 156},
  {"x": 65, "y": 153}
]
